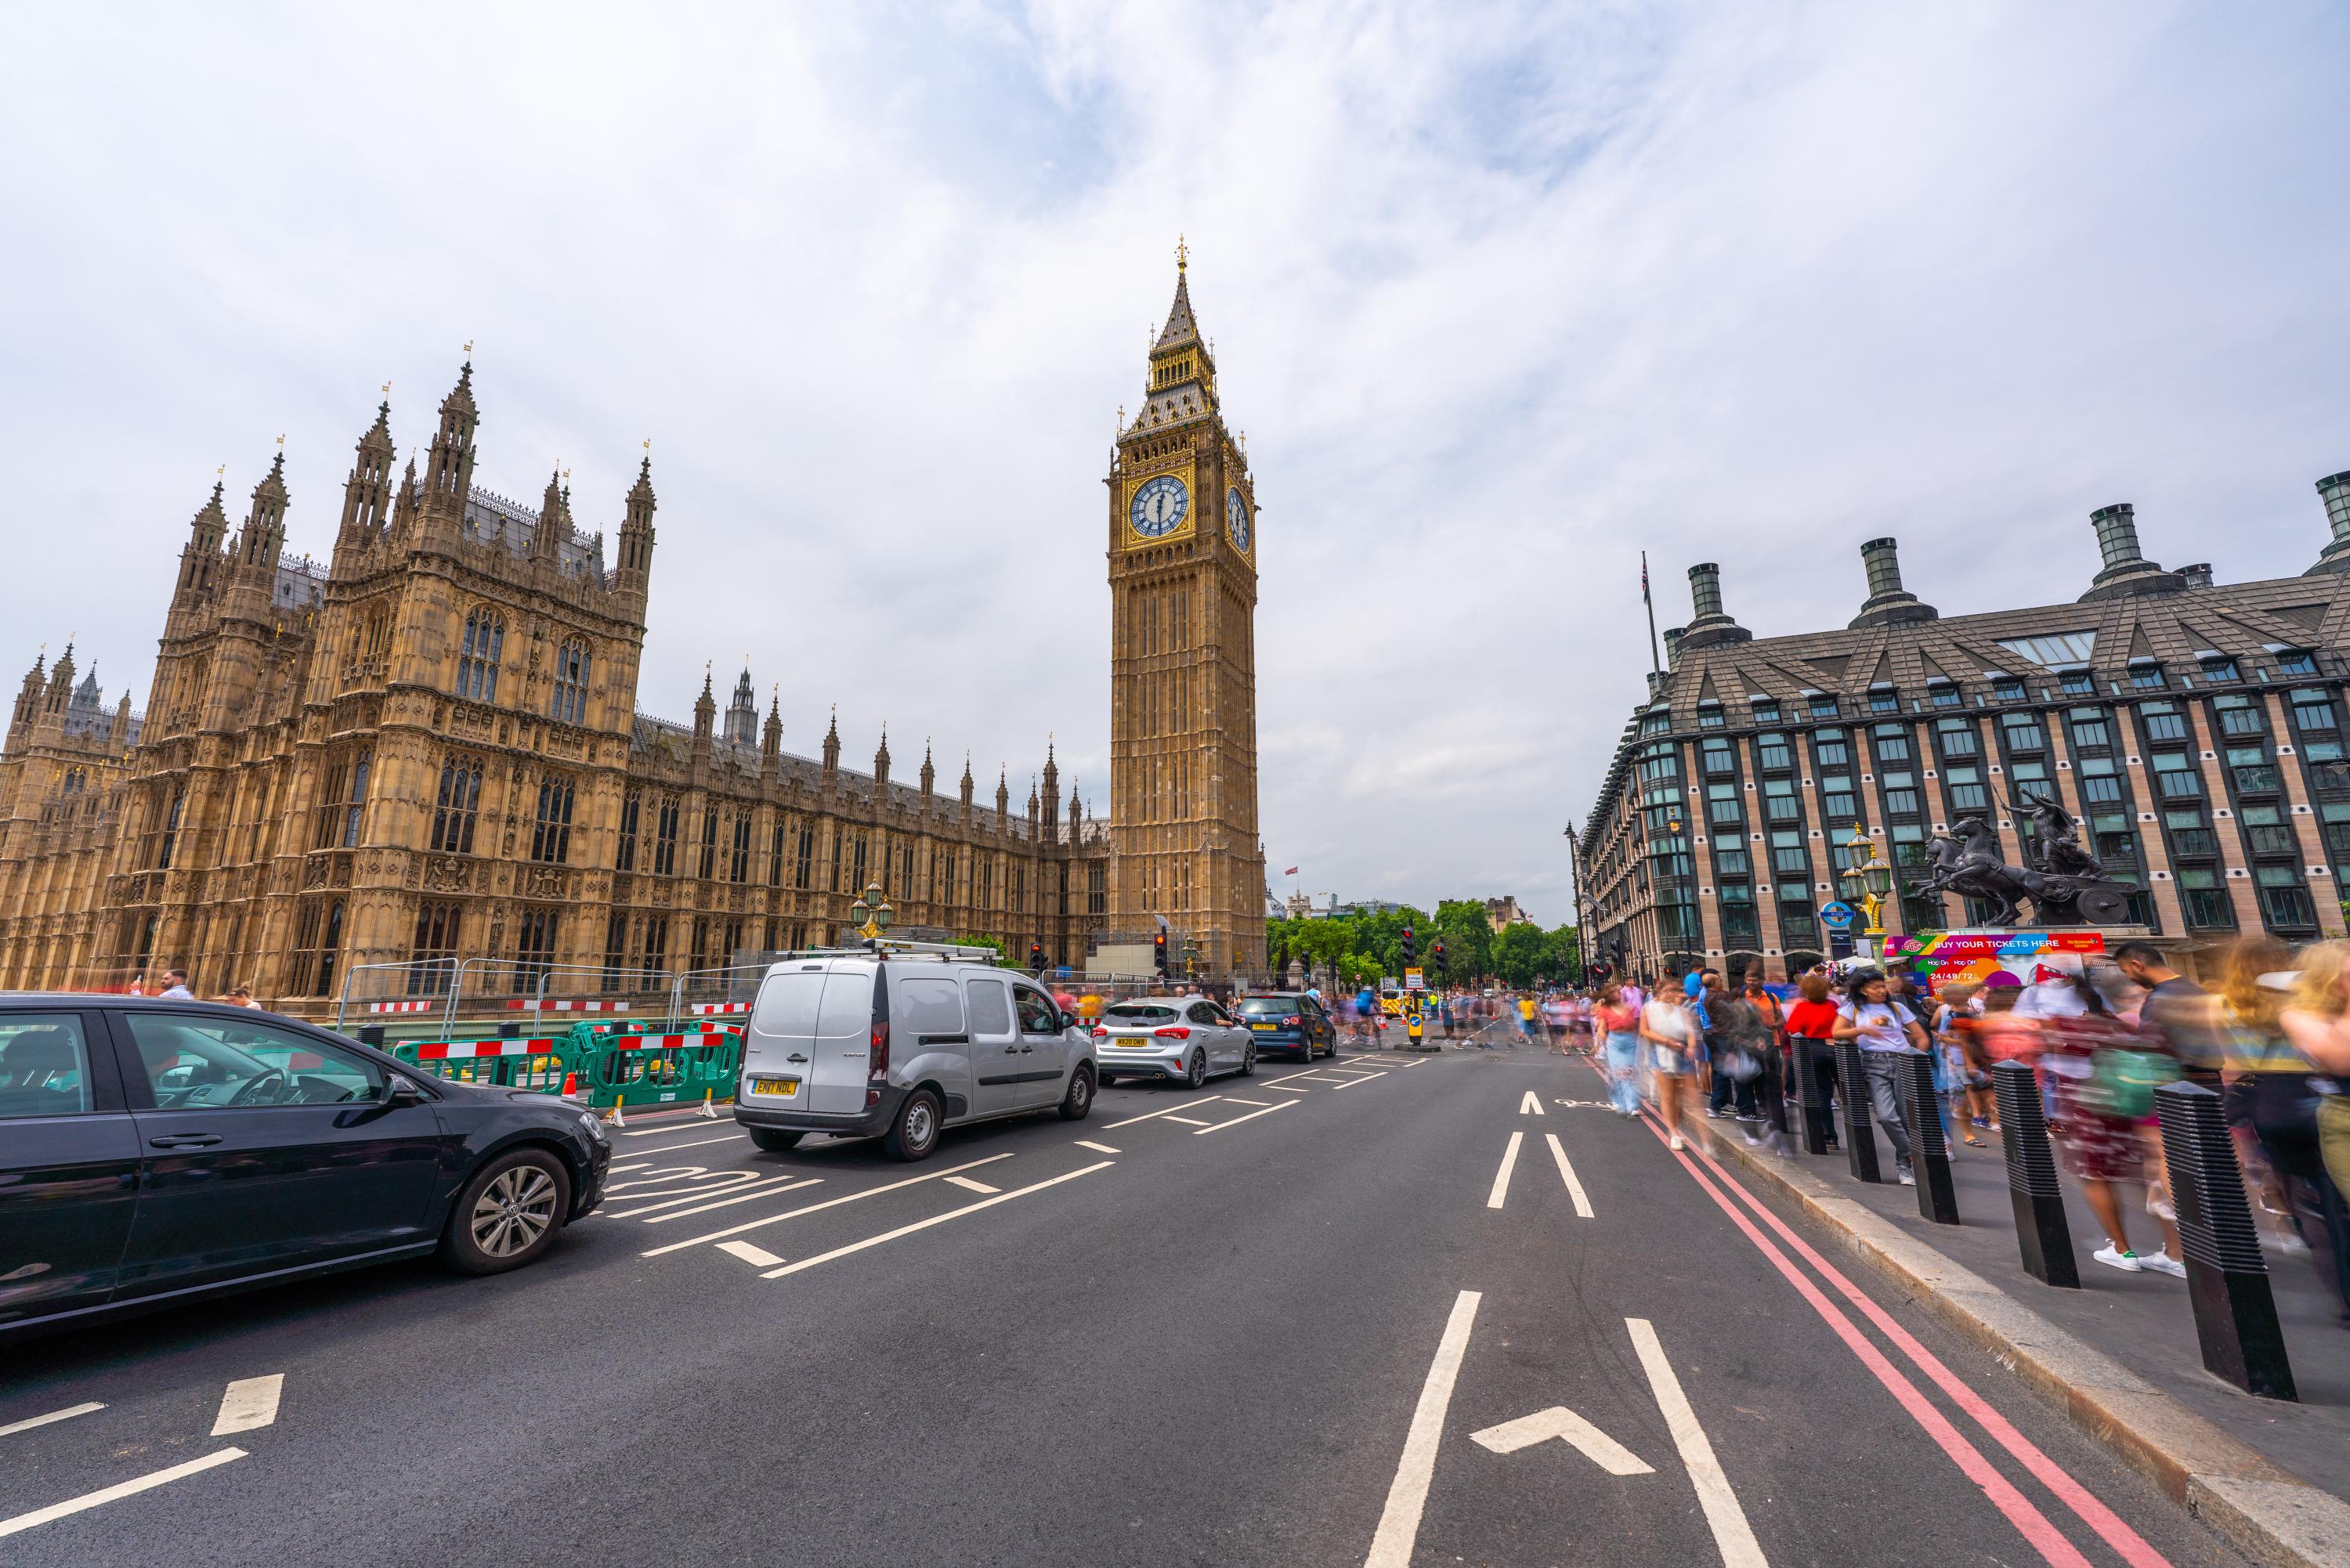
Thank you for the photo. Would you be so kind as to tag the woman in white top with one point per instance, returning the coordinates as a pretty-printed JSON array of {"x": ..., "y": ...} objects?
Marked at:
[{"x": 1667, "y": 1030}]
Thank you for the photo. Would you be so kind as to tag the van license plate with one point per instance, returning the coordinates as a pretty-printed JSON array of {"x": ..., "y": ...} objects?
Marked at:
[{"x": 774, "y": 1085}]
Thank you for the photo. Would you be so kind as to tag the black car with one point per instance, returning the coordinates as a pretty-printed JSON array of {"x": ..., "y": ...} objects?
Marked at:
[
  {"x": 1289, "y": 1021},
  {"x": 152, "y": 1151}
]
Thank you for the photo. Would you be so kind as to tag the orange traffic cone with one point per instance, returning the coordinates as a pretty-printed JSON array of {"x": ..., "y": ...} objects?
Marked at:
[{"x": 570, "y": 1084}]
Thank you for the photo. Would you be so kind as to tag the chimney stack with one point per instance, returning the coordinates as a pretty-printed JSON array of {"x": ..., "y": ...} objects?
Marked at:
[
  {"x": 1888, "y": 603},
  {"x": 2128, "y": 572},
  {"x": 2335, "y": 491},
  {"x": 1710, "y": 625},
  {"x": 1672, "y": 646}
]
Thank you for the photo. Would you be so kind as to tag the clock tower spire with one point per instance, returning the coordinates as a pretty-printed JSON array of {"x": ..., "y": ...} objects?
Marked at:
[{"x": 1182, "y": 576}]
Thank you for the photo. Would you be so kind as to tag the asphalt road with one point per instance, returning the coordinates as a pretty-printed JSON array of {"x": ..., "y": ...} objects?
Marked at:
[{"x": 1305, "y": 1318}]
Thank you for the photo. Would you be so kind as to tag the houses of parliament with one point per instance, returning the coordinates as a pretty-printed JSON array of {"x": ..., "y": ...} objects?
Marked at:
[{"x": 350, "y": 777}]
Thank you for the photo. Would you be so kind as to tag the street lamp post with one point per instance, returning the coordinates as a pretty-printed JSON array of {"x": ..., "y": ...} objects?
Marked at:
[
  {"x": 872, "y": 914},
  {"x": 1868, "y": 881}
]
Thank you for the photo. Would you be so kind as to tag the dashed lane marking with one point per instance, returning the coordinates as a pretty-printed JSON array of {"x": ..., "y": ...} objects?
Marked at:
[
  {"x": 1731, "y": 1534},
  {"x": 968, "y": 1184},
  {"x": 1567, "y": 1174},
  {"x": 1364, "y": 1079},
  {"x": 1501, "y": 1176},
  {"x": 770, "y": 1190},
  {"x": 118, "y": 1492},
  {"x": 1286, "y": 1089},
  {"x": 249, "y": 1404},
  {"x": 1238, "y": 1101},
  {"x": 30, "y": 1422},
  {"x": 1170, "y": 1111},
  {"x": 1253, "y": 1115},
  {"x": 1399, "y": 1529},
  {"x": 827, "y": 1204},
  {"x": 758, "y": 1257},
  {"x": 935, "y": 1219},
  {"x": 1187, "y": 1121},
  {"x": 1097, "y": 1148}
]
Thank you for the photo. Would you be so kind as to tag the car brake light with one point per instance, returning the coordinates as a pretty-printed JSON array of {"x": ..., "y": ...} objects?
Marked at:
[
  {"x": 877, "y": 1052},
  {"x": 1291, "y": 1021},
  {"x": 1100, "y": 1032},
  {"x": 1177, "y": 1032}
]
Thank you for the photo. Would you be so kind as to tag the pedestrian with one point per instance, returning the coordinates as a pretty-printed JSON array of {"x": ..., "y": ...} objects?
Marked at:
[
  {"x": 1965, "y": 1087},
  {"x": 1770, "y": 1044},
  {"x": 2317, "y": 1021},
  {"x": 2104, "y": 1088},
  {"x": 175, "y": 986},
  {"x": 1883, "y": 1026},
  {"x": 1811, "y": 1028},
  {"x": 2187, "y": 1015},
  {"x": 1617, "y": 1024},
  {"x": 1669, "y": 1030}
]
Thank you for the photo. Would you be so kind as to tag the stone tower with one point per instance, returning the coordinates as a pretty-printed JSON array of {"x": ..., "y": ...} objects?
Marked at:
[{"x": 1182, "y": 578}]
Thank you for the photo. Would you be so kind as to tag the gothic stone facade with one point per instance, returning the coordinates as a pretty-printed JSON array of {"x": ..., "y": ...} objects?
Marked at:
[
  {"x": 2194, "y": 729},
  {"x": 427, "y": 750}
]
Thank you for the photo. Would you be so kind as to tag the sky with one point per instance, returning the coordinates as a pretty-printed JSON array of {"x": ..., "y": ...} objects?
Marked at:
[{"x": 1503, "y": 294}]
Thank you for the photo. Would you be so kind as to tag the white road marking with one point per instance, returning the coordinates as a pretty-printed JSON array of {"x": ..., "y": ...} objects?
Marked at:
[
  {"x": 66, "y": 1415},
  {"x": 827, "y": 1204},
  {"x": 1097, "y": 1148},
  {"x": 1567, "y": 1173},
  {"x": 656, "y": 1132},
  {"x": 1501, "y": 1176},
  {"x": 1531, "y": 1106},
  {"x": 1187, "y": 1121},
  {"x": 935, "y": 1219},
  {"x": 1238, "y": 1101},
  {"x": 118, "y": 1492},
  {"x": 750, "y": 1185},
  {"x": 1399, "y": 1529},
  {"x": 248, "y": 1404},
  {"x": 1364, "y": 1079},
  {"x": 1269, "y": 1083},
  {"x": 1253, "y": 1115},
  {"x": 672, "y": 1148},
  {"x": 1731, "y": 1533},
  {"x": 1286, "y": 1089},
  {"x": 1170, "y": 1111},
  {"x": 769, "y": 1190},
  {"x": 1564, "y": 1424},
  {"x": 758, "y": 1256},
  {"x": 969, "y": 1185}
]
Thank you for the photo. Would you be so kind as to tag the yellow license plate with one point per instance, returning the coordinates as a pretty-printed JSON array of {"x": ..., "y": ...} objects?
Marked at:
[
  {"x": 1264, "y": 1026},
  {"x": 774, "y": 1085},
  {"x": 1130, "y": 1044}
]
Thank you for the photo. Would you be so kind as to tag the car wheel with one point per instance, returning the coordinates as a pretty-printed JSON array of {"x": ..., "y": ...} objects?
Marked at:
[
  {"x": 508, "y": 1214},
  {"x": 1248, "y": 1060},
  {"x": 1079, "y": 1100},
  {"x": 916, "y": 1131},
  {"x": 774, "y": 1140},
  {"x": 1196, "y": 1076}
]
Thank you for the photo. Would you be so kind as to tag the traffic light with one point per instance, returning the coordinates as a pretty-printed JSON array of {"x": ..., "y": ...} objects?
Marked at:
[
  {"x": 1035, "y": 958},
  {"x": 1410, "y": 949},
  {"x": 1158, "y": 953},
  {"x": 1436, "y": 955}
]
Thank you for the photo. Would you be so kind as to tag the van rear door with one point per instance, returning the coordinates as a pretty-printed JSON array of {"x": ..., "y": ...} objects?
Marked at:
[
  {"x": 855, "y": 999},
  {"x": 779, "y": 1048}
]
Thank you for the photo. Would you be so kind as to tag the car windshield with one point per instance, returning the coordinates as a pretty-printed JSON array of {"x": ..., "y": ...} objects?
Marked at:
[
  {"x": 1139, "y": 1013},
  {"x": 1269, "y": 1004}
]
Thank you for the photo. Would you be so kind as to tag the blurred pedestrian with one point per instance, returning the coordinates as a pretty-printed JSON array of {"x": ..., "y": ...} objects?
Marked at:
[
  {"x": 2314, "y": 1020},
  {"x": 2104, "y": 1092},
  {"x": 175, "y": 986},
  {"x": 1882, "y": 1027},
  {"x": 1668, "y": 1028},
  {"x": 1811, "y": 1028},
  {"x": 1617, "y": 1024}
]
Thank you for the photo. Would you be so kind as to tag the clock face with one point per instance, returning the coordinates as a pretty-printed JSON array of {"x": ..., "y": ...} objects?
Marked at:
[
  {"x": 1159, "y": 507},
  {"x": 1236, "y": 519}
]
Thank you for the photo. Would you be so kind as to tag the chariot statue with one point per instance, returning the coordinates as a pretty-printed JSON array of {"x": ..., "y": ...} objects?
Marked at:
[{"x": 2067, "y": 884}]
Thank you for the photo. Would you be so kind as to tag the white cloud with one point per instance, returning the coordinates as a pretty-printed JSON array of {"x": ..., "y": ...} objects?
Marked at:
[{"x": 1502, "y": 294}]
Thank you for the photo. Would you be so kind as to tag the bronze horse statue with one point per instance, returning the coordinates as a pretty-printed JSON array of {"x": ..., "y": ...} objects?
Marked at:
[{"x": 1966, "y": 861}]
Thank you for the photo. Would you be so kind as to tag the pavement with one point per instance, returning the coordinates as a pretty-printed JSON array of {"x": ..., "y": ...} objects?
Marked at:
[{"x": 1388, "y": 1310}]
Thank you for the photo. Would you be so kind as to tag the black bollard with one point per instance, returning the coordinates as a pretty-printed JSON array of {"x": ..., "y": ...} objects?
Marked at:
[
  {"x": 1929, "y": 1157},
  {"x": 1813, "y": 1096},
  {"x": 1859, "y": 1131},
  {"x": 371, "y": 1034},
  {"x": 2041, "y": 1229},
  {"x": 2235, "y": 1314}
]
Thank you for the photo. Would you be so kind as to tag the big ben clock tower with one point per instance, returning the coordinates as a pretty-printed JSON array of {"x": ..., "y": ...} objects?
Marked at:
[{"x": 1182, "y": 583}]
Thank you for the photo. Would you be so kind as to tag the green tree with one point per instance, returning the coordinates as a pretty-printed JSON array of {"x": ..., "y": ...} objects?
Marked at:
[
  {"x": 1468, "y": 941},
  {"x": 968, "y": 940},
  {"x": 1522, "y": 955}
]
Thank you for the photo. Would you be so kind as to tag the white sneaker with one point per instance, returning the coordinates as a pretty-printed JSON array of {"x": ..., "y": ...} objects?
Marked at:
[
  {"x": 2163, "y": 1264},
  {"x": 2113, "y": 1258},
  {"x": 1909, "y": 1176},
  {"x": 1677, "y": 1142}
]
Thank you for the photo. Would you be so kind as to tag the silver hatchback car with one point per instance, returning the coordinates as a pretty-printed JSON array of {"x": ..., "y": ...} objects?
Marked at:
[
  {"x": 903, "y": 1044},
  {"x": 1187, "y": 1038}
]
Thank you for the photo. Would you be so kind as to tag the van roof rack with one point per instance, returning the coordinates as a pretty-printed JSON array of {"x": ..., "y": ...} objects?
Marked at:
[{"x": 945, "y": 952}]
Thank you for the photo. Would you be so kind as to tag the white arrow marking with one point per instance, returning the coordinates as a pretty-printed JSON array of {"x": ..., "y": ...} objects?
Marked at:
[
  {"x": 1531, "y": 1106},
  {"x": 249, "y": 1403},
  {"x": 1564, "y": 1424}
]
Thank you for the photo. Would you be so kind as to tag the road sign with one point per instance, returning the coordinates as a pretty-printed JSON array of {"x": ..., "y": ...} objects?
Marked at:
[
  {"x": 1835, "y": 915},
  {"x": 1840, "y": 943},
  {"x": 1412, "y": 981}
]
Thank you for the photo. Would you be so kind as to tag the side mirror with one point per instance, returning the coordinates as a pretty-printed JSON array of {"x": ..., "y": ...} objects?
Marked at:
[
  {"x": 401, "y": 1092},
  {"x": 1068, "y": 1021}
]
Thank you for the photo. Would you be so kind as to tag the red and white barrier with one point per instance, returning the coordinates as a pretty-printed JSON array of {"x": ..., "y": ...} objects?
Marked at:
[
  {"x": 702, "y": 1009},
  {"x": 669, "y": 1041},
  {"x": 401, "y": 1006},
  {"x": 462, "y": 1050},
  {"x": 550, "y": 1004}
]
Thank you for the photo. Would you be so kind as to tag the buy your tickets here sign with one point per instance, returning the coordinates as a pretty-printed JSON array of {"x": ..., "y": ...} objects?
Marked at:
[{"x": 2005, "y": 958}]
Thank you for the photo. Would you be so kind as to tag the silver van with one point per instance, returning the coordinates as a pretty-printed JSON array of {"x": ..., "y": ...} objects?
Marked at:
[{"x": 902, "y": 1043}]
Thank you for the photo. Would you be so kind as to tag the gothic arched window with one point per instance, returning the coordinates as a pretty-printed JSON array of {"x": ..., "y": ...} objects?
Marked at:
[
  {"x": 570, "y": 684},
  {"x": 477, "y": 663},
  {"x": 453, "y": 812}
]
